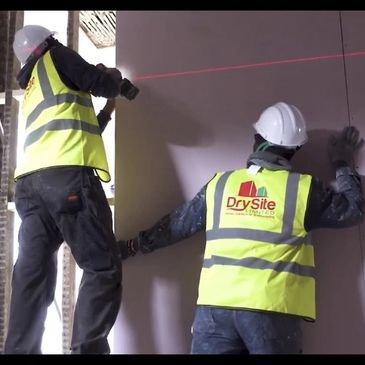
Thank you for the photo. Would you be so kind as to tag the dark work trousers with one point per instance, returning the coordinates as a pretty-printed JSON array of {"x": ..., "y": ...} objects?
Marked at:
[
  {"x": 229, "y": 331},
  {"x": 56, "y": 205}
]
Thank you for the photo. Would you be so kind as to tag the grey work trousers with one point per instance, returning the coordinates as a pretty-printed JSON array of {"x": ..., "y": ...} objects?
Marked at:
[{"x": 56, "y": 205}]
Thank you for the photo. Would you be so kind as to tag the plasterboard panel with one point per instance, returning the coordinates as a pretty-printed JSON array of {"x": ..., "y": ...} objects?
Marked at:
[{"x": 181, "y": 129}]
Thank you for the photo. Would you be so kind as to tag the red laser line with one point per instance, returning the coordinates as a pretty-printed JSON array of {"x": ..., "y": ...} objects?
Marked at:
[{"x": 250, "y": 65}]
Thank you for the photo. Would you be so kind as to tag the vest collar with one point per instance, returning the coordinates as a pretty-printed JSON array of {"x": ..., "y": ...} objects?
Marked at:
[{"x": 268, "y": 160}]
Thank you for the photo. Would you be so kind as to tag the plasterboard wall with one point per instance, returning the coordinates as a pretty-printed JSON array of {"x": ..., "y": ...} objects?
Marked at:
[{"x": 184, "y": 126}]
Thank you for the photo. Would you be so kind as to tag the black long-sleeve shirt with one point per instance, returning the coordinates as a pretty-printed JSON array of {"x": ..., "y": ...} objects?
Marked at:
[{"x": 326, "y": 208}]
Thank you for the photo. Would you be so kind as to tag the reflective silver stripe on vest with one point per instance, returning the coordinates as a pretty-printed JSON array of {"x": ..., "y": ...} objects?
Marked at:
[
  {"x": 50, "y": 99},
  {"x": 56, "y": 100},
  {"x": 256, "y": 263},
  {"x": 255, "y": 235},
  {"x": 218, "y": 199},
  {"x": 43, "y": 79},
  {"x": 285, "y": 237},
  {"x": 58, "y": 125},
  {"x": 291, "y": 196}
]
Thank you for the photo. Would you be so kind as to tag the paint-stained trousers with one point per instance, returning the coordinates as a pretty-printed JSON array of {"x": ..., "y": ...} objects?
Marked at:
[{"x": 56, "y": 205}]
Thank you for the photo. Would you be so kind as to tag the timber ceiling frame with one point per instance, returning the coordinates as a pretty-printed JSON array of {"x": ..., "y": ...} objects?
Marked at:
[{"x": 99, "y": 26}]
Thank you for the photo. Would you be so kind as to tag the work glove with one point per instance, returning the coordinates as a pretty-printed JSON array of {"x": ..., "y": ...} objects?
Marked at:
[
  {"x": 128, "y": 248},
  {"x": 344, "y": 146},
  {"x": 116, "y": 75},
  {"x": 101, "y": 66},
  {"x": 113, "y": 72}
]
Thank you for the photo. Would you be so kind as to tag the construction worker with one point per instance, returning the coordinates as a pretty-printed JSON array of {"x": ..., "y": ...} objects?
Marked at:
[
  {"x": 257, "y": 280},
  {"x": 59, "y": 196}
]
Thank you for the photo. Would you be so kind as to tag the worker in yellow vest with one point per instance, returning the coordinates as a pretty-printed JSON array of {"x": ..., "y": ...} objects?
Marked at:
[
  {"x": 59, "y": 196},
  {"x": 257, "y": 281}
]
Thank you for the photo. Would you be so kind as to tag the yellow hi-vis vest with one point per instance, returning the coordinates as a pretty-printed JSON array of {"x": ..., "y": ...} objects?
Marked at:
[
  {"x": 61, "y": 126},
  {"x": 257, "y": 254}
]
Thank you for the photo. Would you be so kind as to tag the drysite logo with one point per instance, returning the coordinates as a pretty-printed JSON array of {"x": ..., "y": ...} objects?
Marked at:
[{"x": 251, "y": 199}]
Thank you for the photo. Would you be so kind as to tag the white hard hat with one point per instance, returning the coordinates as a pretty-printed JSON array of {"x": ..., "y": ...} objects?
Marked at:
[
  {"x": 282, "y": 124},
  {"x": 27, "y": 39}
]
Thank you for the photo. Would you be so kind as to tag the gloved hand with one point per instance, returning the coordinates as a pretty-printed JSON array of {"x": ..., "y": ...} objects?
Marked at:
[
  {"x": 113, "y": 72},
  {"x": 128, "y": 247},
  {"x": 344, "y": 146},
  {"x": 101, "y": 66}
]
